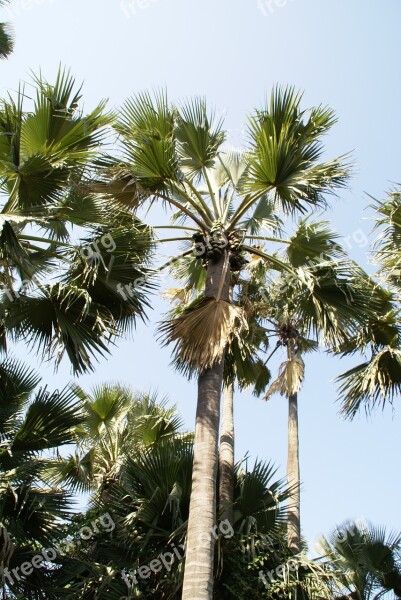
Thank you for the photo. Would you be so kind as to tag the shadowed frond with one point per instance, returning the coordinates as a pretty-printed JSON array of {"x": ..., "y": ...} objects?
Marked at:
[
  {"x": 17, "y": 382},
  {"x": 50, "y": 421},
  {"x": 258, "y": 498}
]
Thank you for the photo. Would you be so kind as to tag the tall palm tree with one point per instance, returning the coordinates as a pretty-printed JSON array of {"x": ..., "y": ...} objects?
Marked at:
[
  {"x": 64, "y": 251},
  {"x": 243, "y": 367},
  {"x": 323, "y": 302},
  {"x": 174, "y": 156},
  {"x": 6, "y": 36}
]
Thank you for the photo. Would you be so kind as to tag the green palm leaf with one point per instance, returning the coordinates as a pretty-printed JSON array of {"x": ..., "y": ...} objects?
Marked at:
[{"x": 285, "y": 149}]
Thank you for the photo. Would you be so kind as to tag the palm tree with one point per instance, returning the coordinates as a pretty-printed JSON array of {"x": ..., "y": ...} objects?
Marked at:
[
  {"x": 117, "y": 423},
  {"x": 64, "y": 251},
  {"x": 377, "y": 380},
  {"x": 33, "y": 424},
  {"x": 6, "y": 37},
  {"x": 174, "y": 155},
  {"x": 323, "y": 302},
  {"x": 367, "y": 559}
]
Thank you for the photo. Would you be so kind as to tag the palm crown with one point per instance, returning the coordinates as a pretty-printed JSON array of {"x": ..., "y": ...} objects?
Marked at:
[{"x": 221, "y": 198}]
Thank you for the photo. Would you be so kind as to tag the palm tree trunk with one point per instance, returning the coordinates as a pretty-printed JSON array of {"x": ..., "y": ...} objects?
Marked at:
[
  {"x": 198, "y": 576},
  {"x": 293, "y": 476},
  {"x": 226, "y": 455}
]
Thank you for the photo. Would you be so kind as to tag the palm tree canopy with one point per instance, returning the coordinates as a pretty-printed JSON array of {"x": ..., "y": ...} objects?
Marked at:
[
  {"x": 65, "y": 251},
  {"x": 116, "y": 423},
  {"x": 377, "y": 380},
  {"x": 175, "y": 154}
]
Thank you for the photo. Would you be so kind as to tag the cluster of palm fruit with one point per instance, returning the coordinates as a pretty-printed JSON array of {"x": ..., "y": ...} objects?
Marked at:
[
  {"x": 287, "y": 331},
  {"x": 210, "y": 247},
  {"x": 237, "y": 258}
]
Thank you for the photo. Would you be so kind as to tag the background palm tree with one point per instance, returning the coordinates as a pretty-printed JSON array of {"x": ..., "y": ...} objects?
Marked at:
[
  {"x": 117, "y": 422},
  {"x": 324, "y": 301},
  {"x": 64, "y": 251},
  {"x": 377, "y": 380}
]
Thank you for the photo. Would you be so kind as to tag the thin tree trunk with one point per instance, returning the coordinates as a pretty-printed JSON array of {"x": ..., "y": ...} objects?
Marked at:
[
  {"x": 293, "y": 476},
  {"x": 198, "y": 576},
  {"x": 226, "y": 455}
]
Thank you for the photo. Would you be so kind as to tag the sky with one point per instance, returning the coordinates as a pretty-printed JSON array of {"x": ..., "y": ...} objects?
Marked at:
[{"x": 342, "y": 53}]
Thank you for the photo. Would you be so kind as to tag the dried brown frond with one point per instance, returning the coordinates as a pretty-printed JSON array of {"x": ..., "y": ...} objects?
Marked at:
[
  {"x": 179, "y": 295},
  {"x": 121, "y": 186},
  {"x": 290, "y": 378},
  {"x": 203, "y": 331}
]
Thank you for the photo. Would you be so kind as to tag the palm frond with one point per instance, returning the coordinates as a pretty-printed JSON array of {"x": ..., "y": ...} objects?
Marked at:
[
  {"x": 6, "y": 40},
  {"x": 50, "y": 421},
  {"x": 285, "y": 151},
  {"x": 258, "y": 499},
  {"x": 62, "y": 319},
  {"x": 313, "y": 241},
  {"x": 17, "y": 382},
  {"x": 199, "y": 137},
  {"x": 147, "y": 125},
  {"x": 291, "y": 376},
  {"x": 201, "y": 334},
  {"x": 371, "y": 383}
]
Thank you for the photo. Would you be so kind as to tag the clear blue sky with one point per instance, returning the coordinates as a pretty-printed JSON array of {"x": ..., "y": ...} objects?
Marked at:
[{"x": 342, "y": 53}]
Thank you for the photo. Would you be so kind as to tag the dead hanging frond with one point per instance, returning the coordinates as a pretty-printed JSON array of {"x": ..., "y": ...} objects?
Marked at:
[
  {"x": 202, "y": 332},
  {"x": 177, "y": 295},
  {"x": 290, "y": 378}
]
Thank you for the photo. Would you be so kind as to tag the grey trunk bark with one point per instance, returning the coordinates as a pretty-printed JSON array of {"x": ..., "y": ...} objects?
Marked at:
[
  {"x": 226, "y": 457},
  {"x": 293, "y": 476},
  {"x": 198, "y": 576}
]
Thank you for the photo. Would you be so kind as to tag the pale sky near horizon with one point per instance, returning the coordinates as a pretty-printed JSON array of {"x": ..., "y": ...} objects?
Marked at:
[{"x": 342, "y": 53}]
